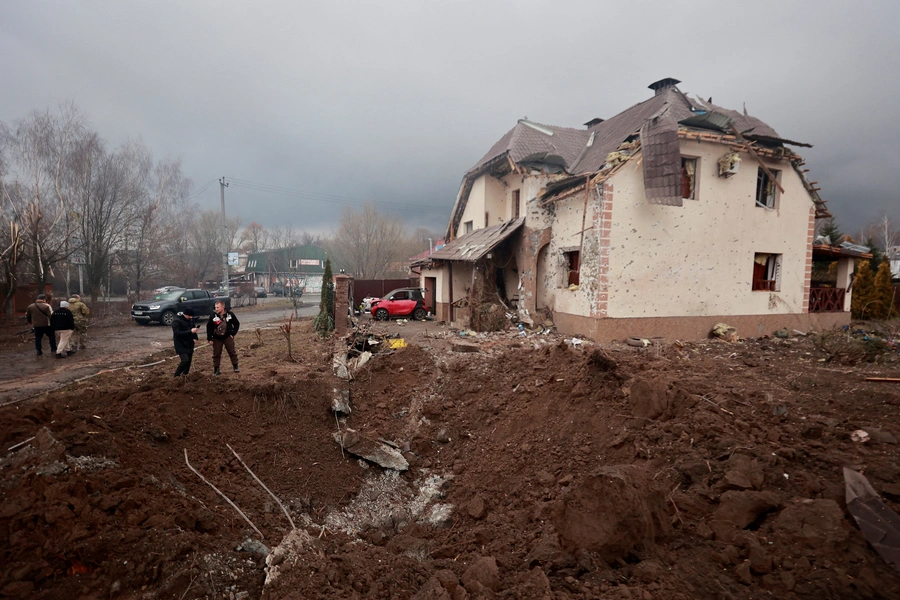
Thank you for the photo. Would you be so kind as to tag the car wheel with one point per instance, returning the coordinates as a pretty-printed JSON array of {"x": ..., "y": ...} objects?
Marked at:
[
  {"x": 168, "y": 318},
  {"x": 419, "y": 314},
  {"x": 382, "y": 314}
]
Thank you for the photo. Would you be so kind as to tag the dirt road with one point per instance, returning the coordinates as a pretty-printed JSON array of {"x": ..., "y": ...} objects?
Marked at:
[{"x": 111, "y": 345}]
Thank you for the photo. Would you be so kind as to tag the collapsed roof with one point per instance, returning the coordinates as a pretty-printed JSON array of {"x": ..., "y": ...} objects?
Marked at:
[{"x": 654, "y": 122}]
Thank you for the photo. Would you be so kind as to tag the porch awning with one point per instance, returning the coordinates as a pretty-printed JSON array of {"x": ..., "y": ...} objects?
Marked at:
[{"x": 474, "y": 246}]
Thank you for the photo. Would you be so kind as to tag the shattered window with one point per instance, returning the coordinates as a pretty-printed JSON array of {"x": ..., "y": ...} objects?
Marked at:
[
  {"x": 766, "y": 272},
  {"x": 688, "y": 178},
  {"x": 765, "y": 188},
  {"x": 573, "y": 267}
]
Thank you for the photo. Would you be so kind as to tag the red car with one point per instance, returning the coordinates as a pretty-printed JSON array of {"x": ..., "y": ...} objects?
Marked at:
[{"x": 404, "y": 302}]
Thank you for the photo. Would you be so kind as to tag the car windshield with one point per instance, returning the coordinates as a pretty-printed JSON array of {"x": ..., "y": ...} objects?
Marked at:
[{"x": 168, "y": 295}]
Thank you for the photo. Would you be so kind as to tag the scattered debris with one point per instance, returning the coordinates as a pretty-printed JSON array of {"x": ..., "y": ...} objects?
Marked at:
[
  {"x": 859, "y": 436},
  {"x": 371, "y": 450},
  {"x": 340, "y": 401},
  {"x": 725, "y": 332},
  {"x": 879, "y": 524}
]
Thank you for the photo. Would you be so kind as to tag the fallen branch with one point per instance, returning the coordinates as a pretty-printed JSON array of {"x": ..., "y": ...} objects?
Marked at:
[
  {"x": 717, "y": 406},
  {"x": 228, "y": 500},
  {"x": 884, "y": 379},
  {"x": 153, "y": 364},
  {"x": 340, "y": 434},
  {"x": 274, "y": 497},
  {"x": 13, "y": 447},
  {"x": 672, "y": 500}
]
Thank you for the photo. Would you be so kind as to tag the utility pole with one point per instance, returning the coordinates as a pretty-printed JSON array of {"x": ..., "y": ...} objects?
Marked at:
[{"x": 222, "y": 186}]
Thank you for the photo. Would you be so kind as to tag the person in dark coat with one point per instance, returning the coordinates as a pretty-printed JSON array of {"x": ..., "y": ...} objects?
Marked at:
[
  {"x": 183, "y": 334},
  {"x": 220, "y": 331},
  {"x": 63, "y": 323},
  {"x": 38, "y": 316}
]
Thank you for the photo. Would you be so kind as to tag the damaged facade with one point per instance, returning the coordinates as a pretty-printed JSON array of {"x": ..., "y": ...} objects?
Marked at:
[{"x": 660, "y": 221}]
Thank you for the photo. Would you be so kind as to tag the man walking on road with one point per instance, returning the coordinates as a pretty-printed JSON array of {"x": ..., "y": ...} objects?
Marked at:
[
  {"x": 38, "y": 316},
  {"x": 80, "y": 311},
  {"x": 220, "y": 331},
  {"x": 184, "y": 333},
  {"x": 63, "y": 323}
]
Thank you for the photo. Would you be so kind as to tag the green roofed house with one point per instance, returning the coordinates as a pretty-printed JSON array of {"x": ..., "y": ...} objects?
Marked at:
[{"x": 295, "y": 266}]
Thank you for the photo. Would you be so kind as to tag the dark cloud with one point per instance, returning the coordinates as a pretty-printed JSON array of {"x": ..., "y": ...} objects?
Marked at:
[{"x": 339, "y": 103}]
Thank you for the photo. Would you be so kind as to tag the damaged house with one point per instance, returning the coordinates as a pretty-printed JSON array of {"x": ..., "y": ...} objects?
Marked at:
[{"x": 663, "y": 220}]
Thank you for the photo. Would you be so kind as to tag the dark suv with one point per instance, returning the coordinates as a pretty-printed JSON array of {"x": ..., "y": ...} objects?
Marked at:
[{"x": 164, "y": 307}]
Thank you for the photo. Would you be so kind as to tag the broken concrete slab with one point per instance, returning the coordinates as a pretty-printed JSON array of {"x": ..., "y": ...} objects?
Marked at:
[
  {"x": 371, "y": 450},
  {"x": 340, "y": 401},
  {"x": 355, "y": 364},
  {"x": 463, "y": 346}
]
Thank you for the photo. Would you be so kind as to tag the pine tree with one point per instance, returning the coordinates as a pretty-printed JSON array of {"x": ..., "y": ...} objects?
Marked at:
[
  {"x": 863, "y": 284},
  {"x": 882, "y": 306},
  {"x": 832, "y": 231},
  {"x": 324, "y": 322},
  {"x": 875, "y": 261}
]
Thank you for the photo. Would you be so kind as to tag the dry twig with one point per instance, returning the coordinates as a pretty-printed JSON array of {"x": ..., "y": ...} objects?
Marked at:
[
  {"x": 717, "y": 406},
  {"x": 218, "y": 491},
  {"x": 274, "y": 497}
]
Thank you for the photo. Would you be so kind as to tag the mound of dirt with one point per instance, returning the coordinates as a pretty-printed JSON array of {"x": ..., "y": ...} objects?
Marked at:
[{"x": 538, "y": 468}]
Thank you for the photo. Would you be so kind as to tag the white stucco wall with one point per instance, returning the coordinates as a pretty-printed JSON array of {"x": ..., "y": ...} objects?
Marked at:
[
  {"x": 569, "y": 214},
  {"x": 488, "y": 195},
  {"x": 698, "y": 259},
  {"x": 494, "y": 196}
]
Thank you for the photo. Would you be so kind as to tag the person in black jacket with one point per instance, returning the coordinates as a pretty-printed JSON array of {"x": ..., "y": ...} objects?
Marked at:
[
  {"x": 63, "y": 323},
  {"x": 184, "y": 333},
  {"x": 220, "y": 331}
]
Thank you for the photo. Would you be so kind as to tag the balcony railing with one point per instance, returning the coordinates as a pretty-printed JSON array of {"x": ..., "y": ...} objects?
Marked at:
[
  {"x": 763, "y": 285},
  {"x": 826, "y": 299}
]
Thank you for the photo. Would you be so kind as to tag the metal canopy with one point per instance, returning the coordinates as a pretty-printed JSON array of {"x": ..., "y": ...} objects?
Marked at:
[{"x": 474, "y": 246}]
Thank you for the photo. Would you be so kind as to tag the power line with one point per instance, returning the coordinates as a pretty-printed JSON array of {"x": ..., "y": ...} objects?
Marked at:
[{"x": 201, "y": 190}]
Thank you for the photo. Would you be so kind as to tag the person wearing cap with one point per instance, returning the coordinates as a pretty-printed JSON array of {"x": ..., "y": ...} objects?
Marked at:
[
  {"x": 63, "y": 323},
  {"x": 80, "y": 311},
  {"x": 220, "y": 331},
  {"x": 38, "y": 316},
  {"x": 184, "y": 333}
]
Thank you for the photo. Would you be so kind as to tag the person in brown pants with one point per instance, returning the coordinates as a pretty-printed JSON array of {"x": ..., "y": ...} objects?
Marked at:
[{"x": 220, "y": 331}]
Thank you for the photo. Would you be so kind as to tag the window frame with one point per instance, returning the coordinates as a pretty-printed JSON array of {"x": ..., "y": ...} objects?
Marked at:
[
  {"x": 762, "y": 179},
  {"x": 572, "y": 261},
  {"x": 468, "y": 227},
  {"x": 516, "y": 203},
  {"x": 294, "y": 263},
  {"x": 685, "y": 158},
  {"x": 772, "y": 272}
]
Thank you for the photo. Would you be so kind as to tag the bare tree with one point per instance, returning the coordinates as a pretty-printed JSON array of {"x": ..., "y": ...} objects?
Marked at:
[
  {"x": 37, "y": 150},
  {"x": 283, "y": 236},
  {"x": 12, "y": 242},
  {"x": 200, "y": 256},
  {"x": 370, "y": 245},
  {"x": 253, "y": 238},
  {"x": 153, "y": 221},
  {"x": 310, "y": 239},
  {"x": 887, "y": 233}
]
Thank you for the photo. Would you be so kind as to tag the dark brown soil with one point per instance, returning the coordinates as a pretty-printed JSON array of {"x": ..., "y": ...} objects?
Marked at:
[{"x": 538, "y": 469}]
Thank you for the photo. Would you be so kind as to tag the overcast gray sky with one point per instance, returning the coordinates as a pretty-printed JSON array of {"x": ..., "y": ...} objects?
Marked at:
[{"x": 392, "y": 101}]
